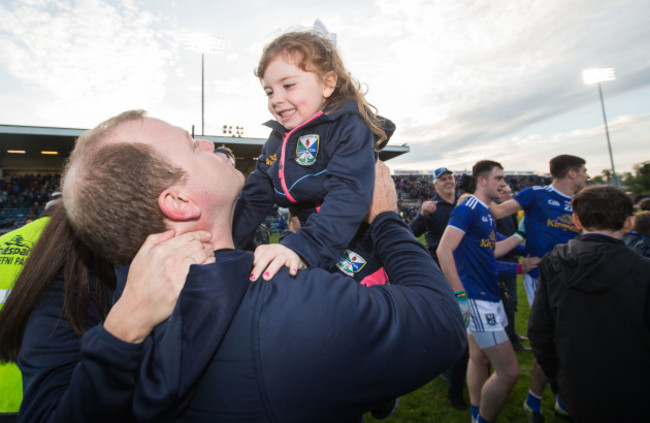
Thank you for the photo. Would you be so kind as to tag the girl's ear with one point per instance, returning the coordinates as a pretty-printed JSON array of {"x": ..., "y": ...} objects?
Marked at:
[{"x": 329, "y": 83}]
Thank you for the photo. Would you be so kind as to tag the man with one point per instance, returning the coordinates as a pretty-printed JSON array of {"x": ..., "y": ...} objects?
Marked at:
[
  {"x": 314, "y": 347},
  {"x": 590, "y": 321},
  {"x": 432, "y": 219},
  {"x": 548, "y": 223},
  {"x": 508, "y": 226},
  {"x": 467, "y": 254},
  {"x": 638, "y": 239},
  {"x": 644, "y": 205}
]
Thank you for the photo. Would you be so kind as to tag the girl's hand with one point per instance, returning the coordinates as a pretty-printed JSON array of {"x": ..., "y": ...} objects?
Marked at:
[
  {"x": 270, "y": 258},
  {"x": 156, "y": 277}
]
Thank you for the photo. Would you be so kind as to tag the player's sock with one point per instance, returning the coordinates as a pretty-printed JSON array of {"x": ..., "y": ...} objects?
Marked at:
[
  {"x": 482, "y": 420},
  {"x": 474, "y": 409},
  {"x": 534, "y": 402}
]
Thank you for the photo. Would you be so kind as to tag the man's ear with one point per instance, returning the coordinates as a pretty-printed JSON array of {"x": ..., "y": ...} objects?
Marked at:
[
  {"x": 329, "y": 83},
  {"x": 576, "y": 221},
  {"x": 571, "y": 174},
  {"x": 177, "y": 205},
  {"x": 629, "y": 223}
]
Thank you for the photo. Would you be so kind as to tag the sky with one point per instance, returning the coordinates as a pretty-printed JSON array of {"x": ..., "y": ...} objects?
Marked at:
[{"x": 463, "y": 80}]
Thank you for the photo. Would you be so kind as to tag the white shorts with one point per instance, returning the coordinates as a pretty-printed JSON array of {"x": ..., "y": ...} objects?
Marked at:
[
  {"x": 486, "y": 340},
  {"x": 530, "y": 284},
  {"x": 487, "y": 316}
]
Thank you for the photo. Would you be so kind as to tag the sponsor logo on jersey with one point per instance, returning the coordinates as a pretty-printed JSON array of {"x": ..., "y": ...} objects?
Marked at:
[
  {"x": 564, "y": 222},
  {"x": 491, "y": 319},
  {"x": 490, "y": 242},
  {"x": 271, "y": 159},
  {"x": 307, "y": 149},
  {"x": 351, "y": 263}
]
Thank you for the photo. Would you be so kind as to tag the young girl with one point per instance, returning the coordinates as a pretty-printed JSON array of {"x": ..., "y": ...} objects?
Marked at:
[{"x": 319, "y": 160}]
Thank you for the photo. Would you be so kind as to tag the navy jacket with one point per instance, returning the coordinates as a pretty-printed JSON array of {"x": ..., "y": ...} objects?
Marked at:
[
  {"x": 315, "y": 347},
  {"x": 327, "y": 163},
  {"x": 65, "y": 378},
  {"x": 590, "y": 328},
  {"x": 433, "y": 225}
]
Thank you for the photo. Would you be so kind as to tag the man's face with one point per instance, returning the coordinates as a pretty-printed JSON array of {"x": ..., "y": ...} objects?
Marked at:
[
  {"x": 445, "y": 184},
  {"x": 212, "y": 177},
  {"x": 506, "y": 194},
  {"x": 495, "y": 183},
  {"x": 581, "y": 178}
]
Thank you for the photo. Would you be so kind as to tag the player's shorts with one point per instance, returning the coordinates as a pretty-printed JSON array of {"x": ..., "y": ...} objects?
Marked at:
[
  {"x": 486, "y": 340},
  {"x": 530, "y": 283},
  {"x": 487, "y": 316}
]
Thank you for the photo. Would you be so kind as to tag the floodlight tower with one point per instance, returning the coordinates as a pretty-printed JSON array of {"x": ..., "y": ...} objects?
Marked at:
[
  {"x": 203, "y": 43},
  {"x": 596, "y": 76}
]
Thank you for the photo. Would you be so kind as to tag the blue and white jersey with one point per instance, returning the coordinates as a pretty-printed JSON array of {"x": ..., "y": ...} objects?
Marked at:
[
  {"x": 549, "y": 221},
  {"x": 474, "y": 257}
]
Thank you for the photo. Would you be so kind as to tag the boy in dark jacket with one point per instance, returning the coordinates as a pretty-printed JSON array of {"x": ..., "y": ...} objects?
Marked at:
[{"x": 590, "y": 321}]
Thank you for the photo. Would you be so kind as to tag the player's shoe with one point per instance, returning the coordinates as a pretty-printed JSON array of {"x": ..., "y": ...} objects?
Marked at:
[
  {"x": 531, "y": 416},
  {"x": 385, "y": 409},
  {"x": 561, "y": 412}
]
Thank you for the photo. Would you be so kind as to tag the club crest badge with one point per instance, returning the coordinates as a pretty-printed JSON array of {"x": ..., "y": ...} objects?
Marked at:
[
  {"x": 351, "y": 263},
  {"x": 271, "y": 159},
  {"x": 307, "y": 149},
  {"x": 491, "y": 319}
]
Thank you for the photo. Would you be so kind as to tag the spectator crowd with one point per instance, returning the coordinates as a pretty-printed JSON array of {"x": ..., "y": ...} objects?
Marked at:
[
  {"x": 413, "y": 190},
  {"x": 23, "y": 197}
]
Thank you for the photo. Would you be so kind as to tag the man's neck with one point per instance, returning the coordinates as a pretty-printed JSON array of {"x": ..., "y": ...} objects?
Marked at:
[
  {"x": 482, "y": 195},
  {"x": 614, "y": 234},
  {"x": 447, "y": 197},
  {"x": 564, "y": 185},
  {"x": 222, "y": 240}
]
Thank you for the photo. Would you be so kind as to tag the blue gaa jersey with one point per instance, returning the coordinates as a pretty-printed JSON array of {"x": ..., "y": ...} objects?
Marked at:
[
  {"x": 549, "y": 222},
  {"x": 474, "y": 257}
]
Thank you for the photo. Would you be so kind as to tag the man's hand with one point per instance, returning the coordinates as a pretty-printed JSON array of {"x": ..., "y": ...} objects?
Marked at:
[
  {"x": 156, "y": 277},
  {"x": 529, "y": 263},
  {"x": 384, "y": 196},
  {"x": 428, "y": 207},
  {"x": 270, "y": 258}
]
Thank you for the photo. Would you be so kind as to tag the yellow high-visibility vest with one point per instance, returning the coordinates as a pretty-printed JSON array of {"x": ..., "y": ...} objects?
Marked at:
[{"x": 15, "y": 247}]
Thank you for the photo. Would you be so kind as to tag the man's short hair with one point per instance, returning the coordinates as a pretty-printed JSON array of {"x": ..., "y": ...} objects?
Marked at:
[
  {"x": 644, "y": 204},
  {"x": 483, "y": 168},
  {"x": 562, "y": 164},
  {"x": 111, "y": 191},
  {"x": 602, "y": 207},
  {"x": 642, "y": 223}
]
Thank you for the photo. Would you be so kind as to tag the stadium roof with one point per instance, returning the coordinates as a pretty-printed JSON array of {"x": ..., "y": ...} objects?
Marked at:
[{"x": 25, "y": 148}]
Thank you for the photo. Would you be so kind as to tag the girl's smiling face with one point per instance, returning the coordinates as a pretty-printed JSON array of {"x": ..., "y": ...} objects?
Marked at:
[{"x": 294, "y": 95}]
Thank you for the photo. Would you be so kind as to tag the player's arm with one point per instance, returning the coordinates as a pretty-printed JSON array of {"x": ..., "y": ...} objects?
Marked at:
[
  {"x": 499, "y": 211},
  {"x": 506, "y": 245},
  {"x": 450, "y": 240}
]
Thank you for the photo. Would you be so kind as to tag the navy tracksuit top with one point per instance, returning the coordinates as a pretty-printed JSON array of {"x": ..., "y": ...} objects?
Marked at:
[{"x": 325, "y": 164}]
